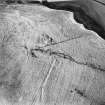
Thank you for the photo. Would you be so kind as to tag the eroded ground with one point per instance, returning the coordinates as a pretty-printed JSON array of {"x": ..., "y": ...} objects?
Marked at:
[{"x": 46, "y": 58}]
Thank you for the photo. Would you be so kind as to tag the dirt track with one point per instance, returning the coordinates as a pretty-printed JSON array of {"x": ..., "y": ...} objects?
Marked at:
[{"x": 47, "y": 58}]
